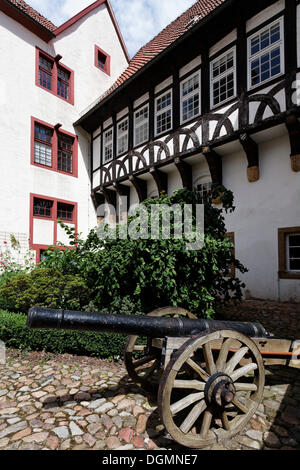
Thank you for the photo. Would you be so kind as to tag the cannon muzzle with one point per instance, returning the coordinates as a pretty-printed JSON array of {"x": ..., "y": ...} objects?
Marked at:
[{"x": 153, "y": 327}]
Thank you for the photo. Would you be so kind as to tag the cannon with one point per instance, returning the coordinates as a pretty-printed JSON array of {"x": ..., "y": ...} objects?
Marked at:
[{"x": 210, "y": 374}]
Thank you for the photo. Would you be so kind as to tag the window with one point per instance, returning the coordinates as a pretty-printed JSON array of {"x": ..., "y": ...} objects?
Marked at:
[
  {"x": 65, "y": 153},
  {"x": 230, "y": 268},
  {"x": 223, "y": 78},
  {"x": 190, "y": 97},
  {"x": 102, "y": 60},
  {"x": 54, "y": 77},
  {"x": 141, "y": 125},
  {"x": 45, "y": 72},
  {"x": 163, "y": 113},
  {"x": 63, "y": 83},
  {"x": 42, "y": 207},
  {"x": 289, "y": 253},
  {"x": 42, "y": 145},
  {"x": 205, "y": 191},
  {"x": 65, "y": 211},
  {"x": 53, "y": 148},
  {"x": 108, "y": 145},
  {"x": 122, "y": 137},
  {"x": 265, "y": 54}
]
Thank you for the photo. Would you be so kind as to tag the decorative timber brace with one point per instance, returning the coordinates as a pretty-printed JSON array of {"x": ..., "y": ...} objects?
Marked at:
[
  {"x": 161, "y": 180},
  {"x": 293, "y": 127},
  {"x": 214, "y": 162},
  {"x": 252, "y": 153},
  {"x": 185, "y": 172},
  {"x": 140, "y": 187}
]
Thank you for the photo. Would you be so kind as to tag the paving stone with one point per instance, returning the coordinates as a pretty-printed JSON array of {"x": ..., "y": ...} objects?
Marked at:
[
  {"x": 13, "y": 429},
  {"x": 62, "y": 432},
  {"x": 113, "y": 443},
  {"x": 75, "y": 430},
  {"x": 271, "y": 440},
  {"x": 247, "y": 442},
  {"x": 95, "y": 404},
  {"x": 37, "y": 437},
  {"x": 126, "y": 434}
]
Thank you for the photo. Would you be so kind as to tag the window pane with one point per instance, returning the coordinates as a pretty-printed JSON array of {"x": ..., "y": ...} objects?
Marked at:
[
  {"x": 294, "y": 240},
  {"x": 65, "y": 211},
  {"x": 295, "y": 265},
  {"x": 141, "y": 126},
  {"x": 65, "y": 153},
  {"x": 42, "y": 208}
]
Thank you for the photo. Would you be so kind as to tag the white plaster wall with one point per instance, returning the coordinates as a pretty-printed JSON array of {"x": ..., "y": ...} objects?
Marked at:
[
  {"x": 43, "y": 231},
  {"x": 20, "y": 99},
  {"x": 262, "y": 208}
]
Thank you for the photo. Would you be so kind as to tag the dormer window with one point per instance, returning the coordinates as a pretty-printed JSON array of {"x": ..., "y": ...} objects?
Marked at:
[
  {"x": 223, "y": 78},
  {"x": 266, "y": 54}
]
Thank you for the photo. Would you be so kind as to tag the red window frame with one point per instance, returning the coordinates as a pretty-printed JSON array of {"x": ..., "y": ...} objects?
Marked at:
[
  {"x": 55, "y": 79},
  {"x": 63, "y": 210},
  {"x": 54, "y": 217},
  {"x": 106, "y": 65},
  {"x": 57, "y": 133}
]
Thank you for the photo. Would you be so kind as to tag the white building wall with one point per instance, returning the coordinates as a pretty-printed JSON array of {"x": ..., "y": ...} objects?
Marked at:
[
  {"x": 20, "y": 99},
  {"x": 261, "y": 209}
]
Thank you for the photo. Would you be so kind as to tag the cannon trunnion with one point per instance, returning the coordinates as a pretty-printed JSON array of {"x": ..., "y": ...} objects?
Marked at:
[{"x": 210, "y": 374}]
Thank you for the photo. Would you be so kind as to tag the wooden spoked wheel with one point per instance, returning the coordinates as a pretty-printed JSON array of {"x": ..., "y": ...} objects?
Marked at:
[
  {"x": 142, "y": 361},
  {"x": 211, "y": 388}
]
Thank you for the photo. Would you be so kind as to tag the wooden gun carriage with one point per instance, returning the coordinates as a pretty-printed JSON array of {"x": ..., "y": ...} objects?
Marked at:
[{"x": 210, "y": 374}]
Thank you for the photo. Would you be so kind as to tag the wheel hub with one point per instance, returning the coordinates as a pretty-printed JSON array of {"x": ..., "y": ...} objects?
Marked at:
[{"x": 219, "y": 389}]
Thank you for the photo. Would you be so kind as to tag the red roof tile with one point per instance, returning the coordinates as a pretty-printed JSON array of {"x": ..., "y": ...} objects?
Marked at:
[
  {"x": 24, "y": 7},
  {"x": 165, "y": 38}
]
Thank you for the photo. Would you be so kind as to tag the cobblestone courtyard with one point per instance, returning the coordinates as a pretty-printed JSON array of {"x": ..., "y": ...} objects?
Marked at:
[{"x": 65, "y": 402}]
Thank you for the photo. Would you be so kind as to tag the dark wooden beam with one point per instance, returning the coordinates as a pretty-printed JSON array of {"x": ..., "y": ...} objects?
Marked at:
[
  {"x": 185, "y": 172},
  {"x": 293, "y": 127},
  {"x": 123, "y": 191},
  {"x": 97, "y": 199},
  {"x": 214, "y": 162},
  {"x": 110, "y": 197},
  {"x": 252, "y": 153},
  {"x": 140, "y": 187},
  {"x": 161, "y": 180}
]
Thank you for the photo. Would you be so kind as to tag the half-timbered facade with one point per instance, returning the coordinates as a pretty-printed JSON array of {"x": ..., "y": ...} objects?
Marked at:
[{"x": 213, "y": 100}]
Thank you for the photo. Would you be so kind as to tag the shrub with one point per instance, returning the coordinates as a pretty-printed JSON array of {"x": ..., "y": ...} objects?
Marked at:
[
  {"x": 15, "y": 334},
  {"x": 43, "y": 287},
  {"x": 156, "y": 273}
]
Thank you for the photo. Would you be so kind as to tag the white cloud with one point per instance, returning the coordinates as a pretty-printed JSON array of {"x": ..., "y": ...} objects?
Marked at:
[{"x": 139, "y": 20}]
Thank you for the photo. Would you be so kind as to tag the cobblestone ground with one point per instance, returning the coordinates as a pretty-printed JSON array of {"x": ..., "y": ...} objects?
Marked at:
[{"x": 65, "y": 402}]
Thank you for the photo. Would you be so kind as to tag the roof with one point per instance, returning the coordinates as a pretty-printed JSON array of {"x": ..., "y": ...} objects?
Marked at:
[
  {"x": 165, "y": 38},
  {"x": 25, "y": 8},
  {"x": 40, "y": 20}
]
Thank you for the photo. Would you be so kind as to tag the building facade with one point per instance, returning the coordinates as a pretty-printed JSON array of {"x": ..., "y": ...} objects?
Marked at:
[
  {"x": 213, "y": 100},
  {"x": 48, "y": 75}
]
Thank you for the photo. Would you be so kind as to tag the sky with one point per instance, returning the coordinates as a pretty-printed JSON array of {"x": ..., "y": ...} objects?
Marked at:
[{"x": 139, "y": 20}]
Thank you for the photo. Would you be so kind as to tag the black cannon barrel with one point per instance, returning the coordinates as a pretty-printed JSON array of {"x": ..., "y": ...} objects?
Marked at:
[{"x": 154, "y": 327}]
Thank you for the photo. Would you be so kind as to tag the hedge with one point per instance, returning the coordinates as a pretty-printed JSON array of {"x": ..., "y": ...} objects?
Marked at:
[{"x": 15, "y": 334}]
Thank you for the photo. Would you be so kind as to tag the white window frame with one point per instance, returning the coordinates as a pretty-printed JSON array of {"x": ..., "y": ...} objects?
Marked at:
[
  {"x": 105, "y": 143},
  {"x": 158, "y": 113},
  {"x": 190, "y": 95},
  {"x": 222, "y": 75},
  {"x": 122, "y": 134},
  {"x": 135, "y": 143},
  {"x": 288, "y": 259},
  {"x": 280, "y": 43}
]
